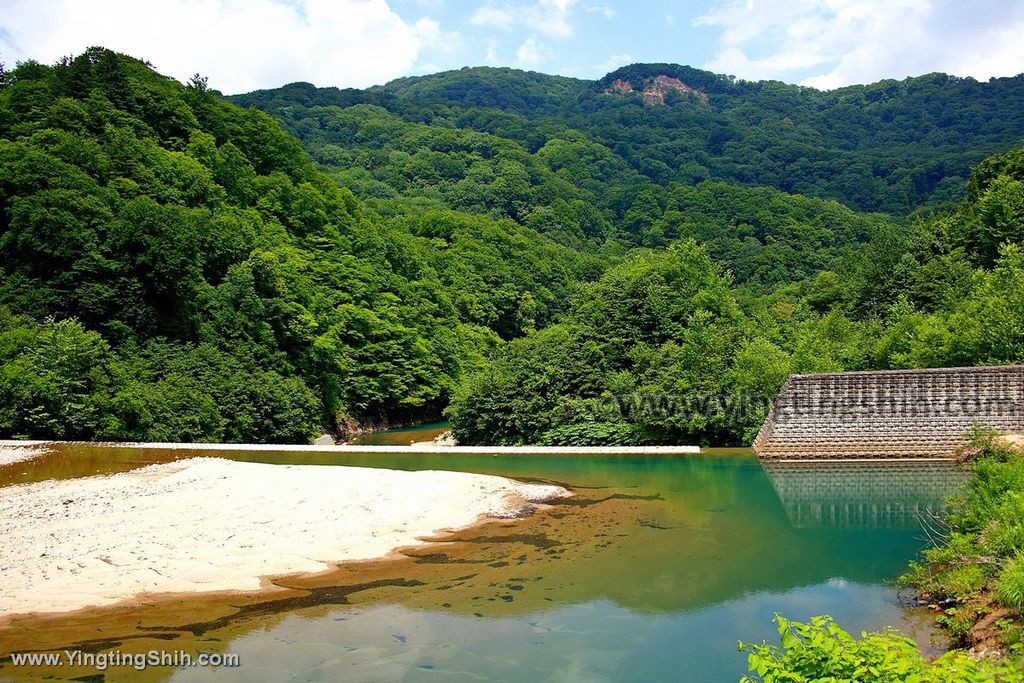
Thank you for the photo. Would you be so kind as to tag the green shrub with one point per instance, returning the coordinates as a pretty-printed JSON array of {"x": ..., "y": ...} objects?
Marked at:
[
  {"x": 1010, "y": 586},
  {"x": 963, "y": 581},
  {"x": 1002, "y": 537},
  {"x": 590, "y": 434},
  {"x": 948, "y": 571},
  {"x": 821, "y": 651},
  {"x": 958, "y": 621}
]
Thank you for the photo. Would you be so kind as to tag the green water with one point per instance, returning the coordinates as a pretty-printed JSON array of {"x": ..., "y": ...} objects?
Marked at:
[
  {"x": 401, "y": 436},
  {"x": 656, "y": 578}
]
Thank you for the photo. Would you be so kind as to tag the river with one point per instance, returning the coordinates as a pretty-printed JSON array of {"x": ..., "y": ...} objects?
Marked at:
[{"x": 652, "y": 572}]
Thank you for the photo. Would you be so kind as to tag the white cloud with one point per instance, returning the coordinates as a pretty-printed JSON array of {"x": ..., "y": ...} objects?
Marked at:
[
  {"x": 432, "y": 37},
  {"x": 830, "y": 43},
  {"x": 531, "y": 53},
  {"x": 549, "y": 17},
  {"x": 240, "y": 44},
  {"x": 606, "y": 11}
]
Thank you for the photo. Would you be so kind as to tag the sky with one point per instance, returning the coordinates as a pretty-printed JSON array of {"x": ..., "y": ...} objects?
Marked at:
[{"x": 242, "y": 45}]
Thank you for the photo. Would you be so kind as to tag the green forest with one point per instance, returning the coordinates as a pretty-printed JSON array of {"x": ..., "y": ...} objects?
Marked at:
[{"x": 539, "y": 259}]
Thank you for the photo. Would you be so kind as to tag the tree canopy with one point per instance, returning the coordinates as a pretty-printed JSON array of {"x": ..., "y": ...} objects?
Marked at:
[{"x": 549, "y": 259}]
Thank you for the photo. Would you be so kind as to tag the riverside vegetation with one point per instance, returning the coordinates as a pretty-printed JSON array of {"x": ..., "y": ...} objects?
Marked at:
[{"x": 549, "y": 260}]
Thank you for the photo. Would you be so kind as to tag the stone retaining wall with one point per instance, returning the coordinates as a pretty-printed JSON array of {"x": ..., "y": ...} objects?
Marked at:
[{"x": 890, "y": 414}]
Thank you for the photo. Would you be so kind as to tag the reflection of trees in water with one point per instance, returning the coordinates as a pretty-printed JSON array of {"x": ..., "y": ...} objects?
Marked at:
[{"x": 891, "y": 495}]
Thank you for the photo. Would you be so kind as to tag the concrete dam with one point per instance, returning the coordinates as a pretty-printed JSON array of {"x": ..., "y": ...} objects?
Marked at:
[{"x": 889, "y": 414}]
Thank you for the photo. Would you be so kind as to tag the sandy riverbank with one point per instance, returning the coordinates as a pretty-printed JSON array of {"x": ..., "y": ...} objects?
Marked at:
[
  {"x": 206, "y": 524},
  {"x": 17, "y": 451}
]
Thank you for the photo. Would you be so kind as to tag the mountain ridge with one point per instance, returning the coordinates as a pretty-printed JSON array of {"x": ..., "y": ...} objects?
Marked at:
[{"x": 892, "y": 146}]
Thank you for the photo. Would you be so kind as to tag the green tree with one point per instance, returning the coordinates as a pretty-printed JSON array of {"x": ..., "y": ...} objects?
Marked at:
[{"x": 53, "y": 381}]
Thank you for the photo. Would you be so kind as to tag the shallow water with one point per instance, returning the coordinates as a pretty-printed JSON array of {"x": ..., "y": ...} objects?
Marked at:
[
  {"x": 653, "y": 571},
  {"x": 401, "y": 436}
]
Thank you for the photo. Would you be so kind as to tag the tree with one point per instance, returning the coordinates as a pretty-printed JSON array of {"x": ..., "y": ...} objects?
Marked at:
[
  {"x": 53, "y": 381},
  {"x": 199, "y": 83}
]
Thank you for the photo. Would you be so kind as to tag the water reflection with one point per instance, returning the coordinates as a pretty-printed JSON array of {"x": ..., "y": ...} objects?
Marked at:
[
  {"x": 592, "y": 641},
  {"x": 852, "y": 495}
]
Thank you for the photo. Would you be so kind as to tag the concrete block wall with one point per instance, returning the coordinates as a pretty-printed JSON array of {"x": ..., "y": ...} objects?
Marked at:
[{"x": 890, "y": 414}]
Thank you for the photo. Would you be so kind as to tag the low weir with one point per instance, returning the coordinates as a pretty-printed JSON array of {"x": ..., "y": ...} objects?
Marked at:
[
  {"x": 890, "y": 414},
  {"x": 414, "y": 449}
]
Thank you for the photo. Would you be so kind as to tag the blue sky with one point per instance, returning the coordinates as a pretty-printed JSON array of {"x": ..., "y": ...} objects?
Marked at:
[
  {"x": 584, "y": 39},
  {"x": 246, "y": 44}
]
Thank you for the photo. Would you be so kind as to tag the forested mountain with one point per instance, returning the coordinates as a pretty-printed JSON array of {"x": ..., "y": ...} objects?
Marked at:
[
  {"x": 744, "y": 282},
  {"x": 561, "y": 261},
  {"x": 173, "y": 267},
  {"x": 662, "y": 349},
  {"x": 890, "y": 146}
]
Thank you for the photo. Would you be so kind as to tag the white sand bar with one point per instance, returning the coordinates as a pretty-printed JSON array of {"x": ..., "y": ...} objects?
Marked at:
[
  {"x": 17, "y": 451},
  {"x": 205, "y": 524},
  {"x": 427, "y": 447}
]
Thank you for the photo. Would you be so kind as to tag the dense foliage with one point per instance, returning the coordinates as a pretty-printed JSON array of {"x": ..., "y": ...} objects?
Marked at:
[
  {"x": 663, "y": 348},
  {"x": 175, "y": 268},
  {"x": 976, "y": 571},
  {"x": 820, "y": 651},
  {"x": 889, "y": 146}
]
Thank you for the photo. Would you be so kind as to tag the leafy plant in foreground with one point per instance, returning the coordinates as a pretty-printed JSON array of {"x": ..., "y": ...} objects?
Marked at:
[{"x": 821, "y": 651}]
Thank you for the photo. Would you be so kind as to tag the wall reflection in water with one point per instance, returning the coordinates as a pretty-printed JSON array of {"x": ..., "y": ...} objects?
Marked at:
[{"x": 864, "y": 495}]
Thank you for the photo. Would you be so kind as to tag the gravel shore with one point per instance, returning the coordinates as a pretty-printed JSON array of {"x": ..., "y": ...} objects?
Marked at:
[{"x": 17, "y": 451}]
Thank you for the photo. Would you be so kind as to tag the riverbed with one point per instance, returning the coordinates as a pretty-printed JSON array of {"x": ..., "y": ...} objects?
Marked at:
[{"x": 653, "y": 570}]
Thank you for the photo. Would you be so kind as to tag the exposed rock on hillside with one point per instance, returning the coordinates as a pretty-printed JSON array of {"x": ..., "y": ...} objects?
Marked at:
[
  {"x": 655, "y": 89},
  {"x": 619, "y": 87}
]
